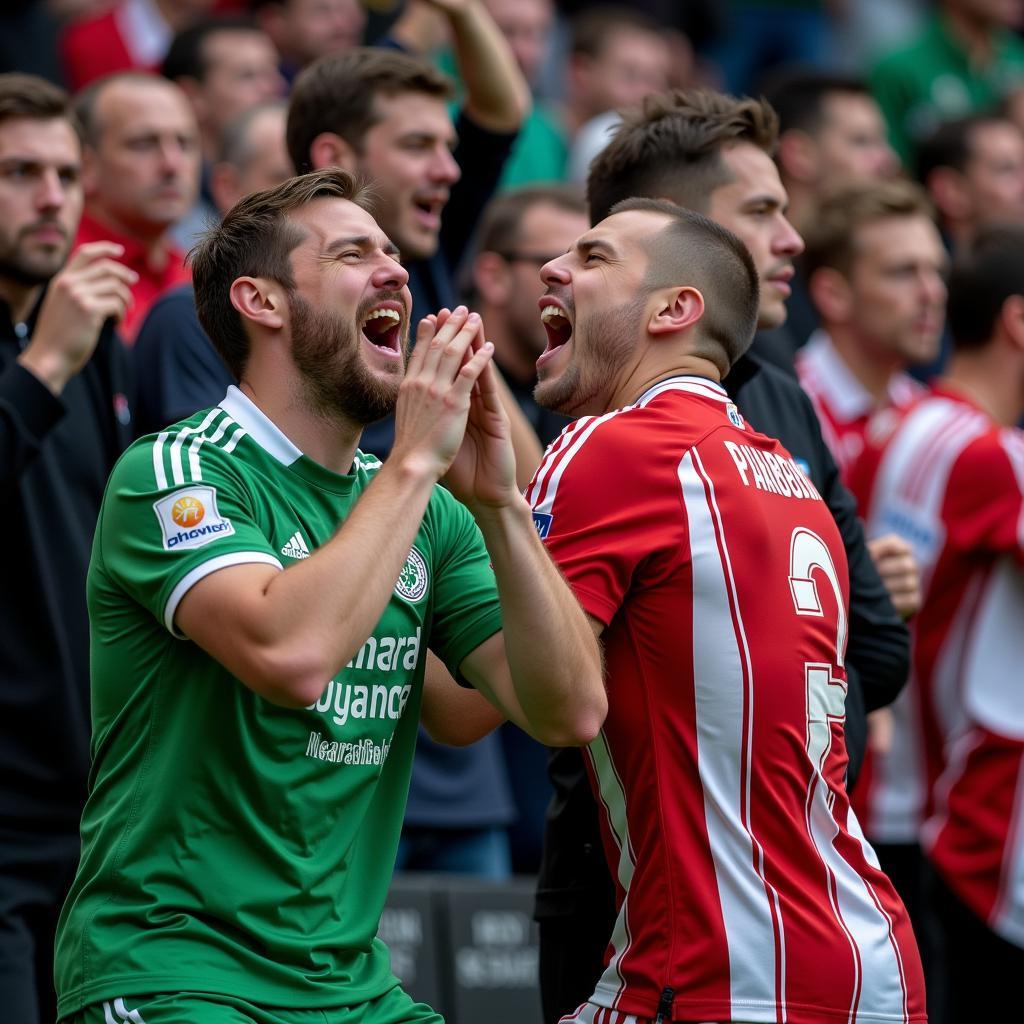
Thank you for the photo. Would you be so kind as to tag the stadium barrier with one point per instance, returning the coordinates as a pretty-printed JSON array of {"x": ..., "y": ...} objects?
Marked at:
[{"x": 467, "y": 947}]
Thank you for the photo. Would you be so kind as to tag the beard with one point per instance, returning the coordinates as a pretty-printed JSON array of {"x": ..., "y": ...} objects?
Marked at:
[
  {"x": 26, "y": 268},
  {"x": 587, "y": 383},
  {"x": 336, "y": 382}
]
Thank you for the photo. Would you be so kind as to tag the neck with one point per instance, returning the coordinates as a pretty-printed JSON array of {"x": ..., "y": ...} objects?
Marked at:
[
  {"x": 20, "y": 298},
  {"x": 973, "y": 32},
  {"x": 983, "y": 378},
  {"x": 152, "y": 238},
  {"x": 329, "y": 441},
  {"x": 872, "y": 373},
  {"x": 642, "y": 378}
]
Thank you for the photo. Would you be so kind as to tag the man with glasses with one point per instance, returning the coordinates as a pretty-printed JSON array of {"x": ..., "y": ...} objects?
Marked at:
[{"x": 520, "y": 232}]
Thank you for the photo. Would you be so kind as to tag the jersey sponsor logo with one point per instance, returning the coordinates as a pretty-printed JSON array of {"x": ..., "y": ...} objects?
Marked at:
[
  {"x": 734, "y": 416},
  {"x": 355, "y": 700},
  {"x": 345, "y": 752},
  {"x": 542, "y": 520},
  {"x": 350, "y": 700},
  {"x": 296, "y": 547},
  {"x": 767, "y": 471},
  {"x": 189, "y": 518},
  {"x": 188, "y": 511},
  {"x": 413, "y": 579}
]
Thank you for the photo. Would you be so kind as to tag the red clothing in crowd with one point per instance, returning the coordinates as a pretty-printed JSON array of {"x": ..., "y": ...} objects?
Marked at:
[{"x": 153, "y": 280}]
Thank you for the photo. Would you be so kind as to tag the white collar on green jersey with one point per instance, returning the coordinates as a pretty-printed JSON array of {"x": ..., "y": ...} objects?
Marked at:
[{"x": 260, "y": 427}]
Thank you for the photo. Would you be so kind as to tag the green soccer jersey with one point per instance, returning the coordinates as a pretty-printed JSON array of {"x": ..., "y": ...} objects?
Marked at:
[{"x": 230, "y": 845}]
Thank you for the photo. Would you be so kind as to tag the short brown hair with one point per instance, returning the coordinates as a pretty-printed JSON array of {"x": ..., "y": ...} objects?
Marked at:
[
  {"x": 503, "y": 216},
  {"x": 592, "y": 29},
  {"x": 697, "y": 251},
  {"x": 982, "y": 279},
  {"x": 671, "y": 146},
  {"x": 337, "y": 93},
  {"x": 255, "y": 239},
  {"x": 831, "y": 238},
  {"x": 34, "y": 98}
]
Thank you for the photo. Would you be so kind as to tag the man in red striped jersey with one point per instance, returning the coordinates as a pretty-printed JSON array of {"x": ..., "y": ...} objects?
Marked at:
[
  {"x": 950, "y": 478},
  {"x": 717, "y": 579},
  {"x": 874, "y": 263}
]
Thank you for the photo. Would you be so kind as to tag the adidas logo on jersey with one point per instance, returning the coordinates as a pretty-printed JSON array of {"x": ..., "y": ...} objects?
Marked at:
[{"x": 296, "y": 547}]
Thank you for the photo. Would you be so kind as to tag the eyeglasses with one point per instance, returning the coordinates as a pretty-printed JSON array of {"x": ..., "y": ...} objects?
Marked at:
[{"x": 537, "y": 258}]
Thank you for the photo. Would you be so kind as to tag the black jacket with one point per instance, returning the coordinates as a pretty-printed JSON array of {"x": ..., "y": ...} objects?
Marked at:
[
  {"x": 573, "y": 872},
  {"x": 55, "y": 457}
]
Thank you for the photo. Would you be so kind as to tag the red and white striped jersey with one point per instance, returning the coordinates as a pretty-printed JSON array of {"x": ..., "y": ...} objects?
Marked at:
[
  {"x": 901, "y": 481},
  {"x": 843, "y": 405},
  {"x": 746, "y": 889},
  {"x": 951, "y": 481}
]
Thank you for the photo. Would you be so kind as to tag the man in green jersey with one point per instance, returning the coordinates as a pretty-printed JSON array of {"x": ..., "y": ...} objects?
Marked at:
[{"x": 258, "y": 670}]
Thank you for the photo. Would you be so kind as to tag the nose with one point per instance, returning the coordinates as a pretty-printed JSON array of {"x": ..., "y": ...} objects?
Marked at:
[
  {"x": 389, "y": 274},
  {"x": 555, "y": 272},
  {"x": 51, "y": 192},
  {"x": 787, "y": 241},
  {"x": 444, "y": 168}
]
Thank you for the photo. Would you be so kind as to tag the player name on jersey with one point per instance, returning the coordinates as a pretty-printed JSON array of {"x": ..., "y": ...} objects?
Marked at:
[{"x": 770, "y": 472}]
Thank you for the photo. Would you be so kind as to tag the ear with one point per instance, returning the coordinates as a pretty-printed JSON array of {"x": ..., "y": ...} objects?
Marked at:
[
  {"x": 798, "y": 156},
  {"x": 329, "y": 149},
  {"x": 676, "y": 310},
  {"x": 831, "y": 295},
  {"x": 948, "y": 190},
  {"x": 260, "y": 301},
  {"x": 492, "y": 279},
  {"x": 1011, "y": 321}
]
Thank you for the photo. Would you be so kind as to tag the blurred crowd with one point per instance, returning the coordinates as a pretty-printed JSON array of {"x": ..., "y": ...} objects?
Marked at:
[{"x": 891, "y": 241}]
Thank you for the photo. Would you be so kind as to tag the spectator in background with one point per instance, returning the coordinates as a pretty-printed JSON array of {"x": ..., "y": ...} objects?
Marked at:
[
  {"x": 521, "y": 231},
  {"x": 132, "y": 34},
  {"x": 64, "y": 420},
  {"x": 948, "y": 474},
  {"x": 177, "y": 368},
  {"x": 384, "y": 115},
  {"x": 875, "y": 265},
  {"x": 225, "y": 66},
  {"x": 973, "y": 169},
  {"x": 965, "y": 59},
  {"x": 541, "y": 151},
  {"x": 830, "y": 131},
  {"x": 141, "y": 175},
  {"x": 303, "y": 30},
  {"x": 617, "y": 57}
]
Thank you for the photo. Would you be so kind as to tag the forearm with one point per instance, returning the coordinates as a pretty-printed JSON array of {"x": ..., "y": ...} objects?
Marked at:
[
  {"x": 552, "y": 654},
  {"x": 311, "y": 619},
  {"x": 497, "y": 94}
]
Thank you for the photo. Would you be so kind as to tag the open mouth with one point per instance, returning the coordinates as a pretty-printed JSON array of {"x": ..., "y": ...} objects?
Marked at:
[
  {"x": 382, "y": 328},
  {"x": 429, "y": 211},
  {"x": 557, "y": 327}
]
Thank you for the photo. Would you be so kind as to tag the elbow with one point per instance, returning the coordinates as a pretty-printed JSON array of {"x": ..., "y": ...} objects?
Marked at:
[
  {"x": 581, "y": 725},
  {"x": 286, "y": 678}
]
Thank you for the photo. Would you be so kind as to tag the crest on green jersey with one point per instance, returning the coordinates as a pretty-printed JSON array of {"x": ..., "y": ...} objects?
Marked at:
[{"x": 413, "y": 579}]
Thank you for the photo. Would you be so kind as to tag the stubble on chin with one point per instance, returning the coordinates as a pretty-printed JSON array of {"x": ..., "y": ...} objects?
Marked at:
[{"x": 336, "y": 383}]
